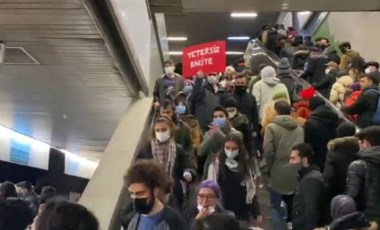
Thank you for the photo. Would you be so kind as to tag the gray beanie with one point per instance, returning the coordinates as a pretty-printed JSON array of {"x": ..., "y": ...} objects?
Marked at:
[
  {"x": 284, "y": 67},
  {"x": 342, "y": 205}
]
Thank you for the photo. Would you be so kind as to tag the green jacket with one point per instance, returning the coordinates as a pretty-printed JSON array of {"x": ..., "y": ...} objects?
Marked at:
[
  {"x": 183, "y": 137},
  {"x": 280, "y": 137}
]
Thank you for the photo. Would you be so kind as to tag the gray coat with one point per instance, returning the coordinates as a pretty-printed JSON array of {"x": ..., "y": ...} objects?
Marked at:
[
  {"x": 280, "y": 137},
  {"x": 159, "y": 88}
]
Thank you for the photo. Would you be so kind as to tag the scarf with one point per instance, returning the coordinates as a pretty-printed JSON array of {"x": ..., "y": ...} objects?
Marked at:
[
  {"x": 165, "y": 155},
  {"x": 249, "y": 181}
]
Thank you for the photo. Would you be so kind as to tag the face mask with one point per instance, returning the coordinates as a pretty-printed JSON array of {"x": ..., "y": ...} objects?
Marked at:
[
  {"x": 232, "y": 114},
  {"x": 180, "y": 109},
  {"x": 142, "y": 206},
  {"x": 169, "y": 69},
  {"x": 220, "y": 122},
  {"x": 201, "y": 208},
  {"x": 212, "y": 79},
  {"x": 187, "y": 89},
  {"x": 163, "y": 136},
  {"x": 368, "y": 70},
  {"x": 231, "y": 154},
  {"x": 327, "y": 71},
  {"x": 241, "y": 88}
]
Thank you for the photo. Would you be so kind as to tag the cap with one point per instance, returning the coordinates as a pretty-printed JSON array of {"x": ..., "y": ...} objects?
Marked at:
[
  {"x": 332, "y": 64},
  {"x": 211, "y": 185}
]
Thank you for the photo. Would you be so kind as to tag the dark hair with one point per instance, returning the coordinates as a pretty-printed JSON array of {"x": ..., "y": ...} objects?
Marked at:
[
  {"x": 243, "y": 157},
  {"x": 345, "y": 129},
  {"x": 304, "y": 150},
  {"x": 25, "y": 185},
  {"x": 168, "y": 104},
  {"x": 162, "y": 119},
  {"x": 345, "y": 45},
  {"x": 7, "y": 189},
  {"x": 283, "y": 108},
  {"x": 373, "y": 63},
  {"x": 47, "y": 190},
  {"x": 370, "y": 76},
  {"x": 170, "y": 62},
  {"x": 217, "y": 222},
  {"x": 147, "y": 172},
  {"x": 322, "y": 38},
  {"x": 220, "y": 109},
  {"x": 45, "y": 198},
  {"x": 65, "y": 215},
  {"x": 15, "y": 214},
  {"x": 370, "y": 134}
]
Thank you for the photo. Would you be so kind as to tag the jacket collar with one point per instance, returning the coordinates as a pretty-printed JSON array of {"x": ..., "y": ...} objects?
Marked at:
[{"x": 304, "y": 171}]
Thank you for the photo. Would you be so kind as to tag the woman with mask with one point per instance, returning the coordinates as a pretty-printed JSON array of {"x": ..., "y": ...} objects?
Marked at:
[
  {"x": 234, "y": 171},
  {"x": 164, "y": 150}
]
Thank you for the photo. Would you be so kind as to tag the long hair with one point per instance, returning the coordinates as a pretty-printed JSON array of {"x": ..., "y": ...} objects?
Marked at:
[
  {"x": 243, "y": 157},
  {"x": 165, "y": 120}
]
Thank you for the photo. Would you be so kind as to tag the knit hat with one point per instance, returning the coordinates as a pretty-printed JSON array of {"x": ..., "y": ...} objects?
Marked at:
[
  {"x": 315, "y": 102},
  {"x": 345, "y": 129},
  {"x": 284, "y": 67},
  {"x": 211, "y": 185},
  {"x": 230, "y": 102},
  {"x": 307, "y": 93},
  {"x": 355, "y": 87},
  {"x": 269, "y": 75},
  {"x": 342, "y": 205}
]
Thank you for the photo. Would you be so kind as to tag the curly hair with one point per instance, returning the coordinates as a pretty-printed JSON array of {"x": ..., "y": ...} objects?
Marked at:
[{"x": 147, "y": 172}]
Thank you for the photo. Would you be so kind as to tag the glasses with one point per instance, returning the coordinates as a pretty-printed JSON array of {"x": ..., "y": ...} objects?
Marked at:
[{"x": 208, "y": 197}]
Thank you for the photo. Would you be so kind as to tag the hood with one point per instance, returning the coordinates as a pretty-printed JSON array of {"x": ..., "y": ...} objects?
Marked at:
[
  {"x": 348, "y": 142},
  {"x": 371, "y": 154},
  {"x": 285, "y": 121},
  {"x": 356, "y": 220},
  {"x": 269, "y": 75},
  {"x": 301, "y": 53},
  {"x": 345, "y": 80},
  {"x": 326, "y": 115},
  {"x": 299, "y": 104}
]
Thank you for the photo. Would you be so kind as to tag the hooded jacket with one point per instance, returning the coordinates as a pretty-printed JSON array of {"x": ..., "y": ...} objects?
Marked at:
[
  {"x": 346, "y": 59},
  {"x": 341, "y": 152},
  {"x": 363, "y": 185},
  {"x": 339, "y": 90},
  {"x": 280, "y": 137},
  {"x": 319, "y": 130}
]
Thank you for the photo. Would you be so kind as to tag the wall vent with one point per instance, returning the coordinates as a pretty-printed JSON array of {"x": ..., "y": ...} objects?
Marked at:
[{"x": 18, "y": 56}]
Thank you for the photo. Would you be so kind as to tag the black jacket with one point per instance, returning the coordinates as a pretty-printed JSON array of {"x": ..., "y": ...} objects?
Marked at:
[
  {"x": 290, "y": 84},
  {"x": 192, "y": 212},
  {"x": 310, "y": 202},
  {"x": 365, "y": 107},
  {"x": 363, "y": 179},
  {"x": 319, "y": 130},
  {"x": 241, "y": 123},
  {"x": 300, "y": 58},
  {"x": 247, "y": 105},
  {"x": 356, "y": 220},
  {"x": 342, "y": 151},
  {"x": 325, "y": 85},
  {"x": 315, "y": 70}
]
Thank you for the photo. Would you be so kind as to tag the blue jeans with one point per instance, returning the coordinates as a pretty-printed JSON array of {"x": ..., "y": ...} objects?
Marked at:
[{"x": 280, "y": 215}]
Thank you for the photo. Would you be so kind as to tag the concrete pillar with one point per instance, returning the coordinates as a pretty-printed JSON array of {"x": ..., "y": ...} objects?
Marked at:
[{"x": 105, "y": 193}]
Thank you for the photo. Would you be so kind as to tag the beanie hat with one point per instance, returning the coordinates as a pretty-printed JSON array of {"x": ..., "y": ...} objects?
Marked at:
[
  {"x": 211, "y": 185},
  {"x": 342, "y": 205},
  {"x": 230, "y": 102},
  {"x": 355, "y": 87},
  {"x": 269, "y": 75},
  {"x": 307, "y": 93},
  {"x": 345, "y": 129},
  {"x": 284, "y": 67},
  {"x": 315, "y": 102}
]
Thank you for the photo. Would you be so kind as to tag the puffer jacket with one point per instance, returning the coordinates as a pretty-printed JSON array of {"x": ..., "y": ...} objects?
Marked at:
[
  {"x": 341, "y": 152},
  {"x": 339, "y": 90},
  {"x": 280, "y": 137},
  {"x": 350, "y": 100},
  {"x": 363, "y": 185},
  {"x": 302, "y": 109}
]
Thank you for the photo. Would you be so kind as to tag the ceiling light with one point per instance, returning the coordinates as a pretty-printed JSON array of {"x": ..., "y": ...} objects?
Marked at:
[
  {"x": 234, "y": 53},
  {"x": 175, "y": 53},
  {"x": 304, "y": 12},
  {"x": 238, "y": 38},
  {"x": 244, "y": 15},
  {"x": 177, "y": 38}
]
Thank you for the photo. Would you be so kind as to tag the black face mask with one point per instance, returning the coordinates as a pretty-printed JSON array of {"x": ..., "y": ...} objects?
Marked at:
[
  {"x": 142, "y": 205},
  {"x": 241, "y": 88}
]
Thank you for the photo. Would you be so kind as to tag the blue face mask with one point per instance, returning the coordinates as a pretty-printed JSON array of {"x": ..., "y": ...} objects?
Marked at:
[
  {"x": 220, "y": 122},
  {"x": 188, "y": 89},
  {"x": 180, "y": 109}
]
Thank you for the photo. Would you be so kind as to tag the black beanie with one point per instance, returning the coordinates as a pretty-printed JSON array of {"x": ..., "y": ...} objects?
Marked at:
[
  {"x": 230, "y": 102},
  {"x": 315, "y": 102},
  {"x": 345, "y": 129}
]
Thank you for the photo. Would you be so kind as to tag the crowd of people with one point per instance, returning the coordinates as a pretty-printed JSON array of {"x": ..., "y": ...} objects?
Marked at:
[{"x": 222, "y": 137}]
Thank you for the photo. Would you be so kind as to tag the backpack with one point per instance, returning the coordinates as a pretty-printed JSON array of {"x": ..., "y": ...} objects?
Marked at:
[{"x": 376, "y": 116}]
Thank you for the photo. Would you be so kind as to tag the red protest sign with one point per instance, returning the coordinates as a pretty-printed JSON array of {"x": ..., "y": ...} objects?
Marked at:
[{"x": 208, "y": 57}]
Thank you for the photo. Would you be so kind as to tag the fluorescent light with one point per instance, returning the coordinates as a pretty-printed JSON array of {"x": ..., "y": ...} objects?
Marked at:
[
  {"x": 234, "y": 53},
  {"x": 177, "y": 38},
  {"x": 175, "y": 53},
  {"x": 244, "y": 15},
  {"x": 304, "y": 12},
  {"x": 238, "y": 38}
]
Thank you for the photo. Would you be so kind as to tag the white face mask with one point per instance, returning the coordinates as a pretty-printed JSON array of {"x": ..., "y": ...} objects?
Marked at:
[
  {"x": 212, "y": 79},
  {"x": 232, "y": 114},
  {"x": 231, "y": 154},
  {"x": 211, "y": 209},
  {"x": 163, "y": 136},
  {"x": 327, "y": 71},
  {"x": 169, "y": 69},
  {"x": 368, "y": 70}
]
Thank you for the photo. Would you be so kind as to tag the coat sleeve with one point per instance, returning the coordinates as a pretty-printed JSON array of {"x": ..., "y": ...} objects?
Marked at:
[
  {"x": 145, "y": 152},
  {"x": 334, "y": 94},
  {"x": 188, "y": 142},
  {"x": 355, "y": 178},
  {"x": 197, "y": 93},
  {"x": 255, "y": 116},
  {"x": 185, "y": 162},
  {"x": 328, "y": 172},
  {"x": 359, "y": 106},
  {"x": 309, "y": 69},
  {"x": 314, "y": 191},
  {"x": 269, "y": 147},
  {"x": 209, "y": 141},
  {"x": 322, "y": 84},
  {"x": 344, "y": 60},
  {"x": 309, "y": 131},
  {"x": 256, "y": 92}
]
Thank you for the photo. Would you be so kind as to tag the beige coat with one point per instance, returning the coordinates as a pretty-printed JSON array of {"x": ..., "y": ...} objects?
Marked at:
[{"x": 339, "y": 90}]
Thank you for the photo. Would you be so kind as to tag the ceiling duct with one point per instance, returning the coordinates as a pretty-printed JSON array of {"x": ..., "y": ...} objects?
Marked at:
[{"x": 18, "y": 56}]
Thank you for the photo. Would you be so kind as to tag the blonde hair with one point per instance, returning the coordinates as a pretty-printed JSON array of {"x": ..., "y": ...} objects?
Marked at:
[{"x": 270, "y": 112}]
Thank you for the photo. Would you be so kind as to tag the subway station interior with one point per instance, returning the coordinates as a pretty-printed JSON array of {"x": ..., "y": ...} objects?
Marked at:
[{"x": 77, "y": 79}]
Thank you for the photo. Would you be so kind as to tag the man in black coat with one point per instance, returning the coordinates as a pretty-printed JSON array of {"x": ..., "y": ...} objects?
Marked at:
[
  {"x": 331, "y": 74},
  {"x": 366, "y": 105},
  {"x": 310, "y": 204},
  {"x": 316, "y": 66},
  {"x": 320, "y": 129}
]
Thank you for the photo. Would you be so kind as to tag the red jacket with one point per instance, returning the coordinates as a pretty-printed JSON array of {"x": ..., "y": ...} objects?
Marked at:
[
  {"x": 351, "y": 100},
  {"x": 302, "y": 109}
]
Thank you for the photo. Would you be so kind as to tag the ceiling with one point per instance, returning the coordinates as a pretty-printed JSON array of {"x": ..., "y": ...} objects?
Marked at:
[{"x": 75, "y": 97}]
